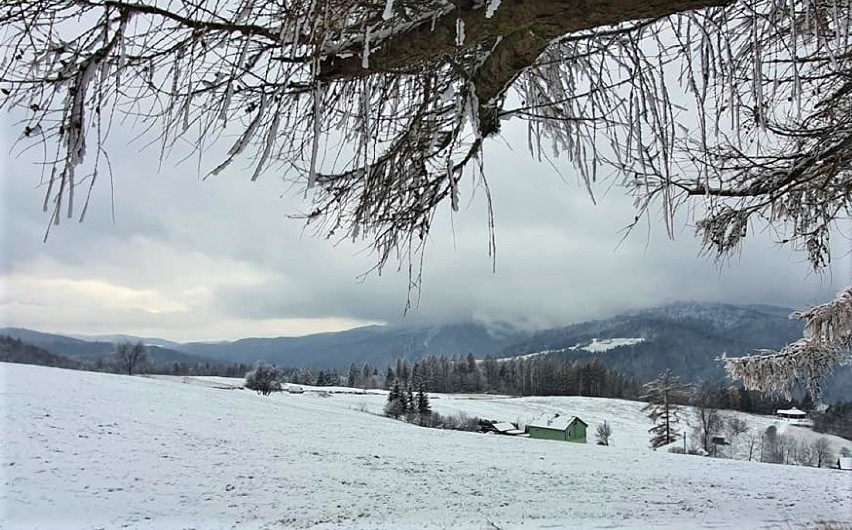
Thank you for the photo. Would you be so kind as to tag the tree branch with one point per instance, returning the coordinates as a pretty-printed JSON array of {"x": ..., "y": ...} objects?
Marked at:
[{"x": 545, "y": 19}]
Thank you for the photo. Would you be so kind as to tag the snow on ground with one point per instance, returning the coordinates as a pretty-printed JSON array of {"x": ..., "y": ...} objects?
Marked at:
[
  {"x": 628, "y": 422},
  {"x": 597, "y": 346},
  {"x": 89, "y": 450}
]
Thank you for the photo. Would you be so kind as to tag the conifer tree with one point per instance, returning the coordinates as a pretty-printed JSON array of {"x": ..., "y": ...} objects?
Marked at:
[
  {"x": 663, "y": 395},
  {"x": 410, "y": 403},
  {"x": 354, "y": 374},
  {"x": 395, "y": 405},
  {"x": 423, "y": 407}
]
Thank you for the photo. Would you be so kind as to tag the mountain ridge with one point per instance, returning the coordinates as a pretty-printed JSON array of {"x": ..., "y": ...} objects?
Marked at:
[{"x": 687, "y": 337}]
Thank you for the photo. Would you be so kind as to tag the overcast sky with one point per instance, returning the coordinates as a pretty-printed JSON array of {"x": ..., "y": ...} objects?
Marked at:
[{"x": 219, "y": 259}]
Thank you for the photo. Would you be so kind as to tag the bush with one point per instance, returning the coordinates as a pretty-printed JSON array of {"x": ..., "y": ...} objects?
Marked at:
[
  {"x": 394, "y": 408},
  {"x": 603, "y": 432},
  {"x": 264, "y": 379},
  {"x": 676, "y": 449}
]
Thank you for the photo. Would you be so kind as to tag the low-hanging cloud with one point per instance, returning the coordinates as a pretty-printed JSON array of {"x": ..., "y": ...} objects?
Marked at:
[{"x": 220, "y": 258}]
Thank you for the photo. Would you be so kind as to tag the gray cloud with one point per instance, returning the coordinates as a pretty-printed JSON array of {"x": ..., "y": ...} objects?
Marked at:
[{"x": 219, "y": 258}]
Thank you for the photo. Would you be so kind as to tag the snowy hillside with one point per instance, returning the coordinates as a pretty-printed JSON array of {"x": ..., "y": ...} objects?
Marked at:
[
  {"x": 90, "y": 450},
  {"x": 594, "y": 346}
]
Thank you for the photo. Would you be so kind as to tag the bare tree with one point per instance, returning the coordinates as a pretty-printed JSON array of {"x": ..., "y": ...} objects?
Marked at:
[
  {"x": 709, "y": 421},
  {"x": 755, "y": 442},
  {"x": 602, "y": 432},
  {"x": 130, "y": 355},
  {"x": 821, "y": 450},
  {"x": 736, "y": 426},
  {"x": 735, "y": 110}
]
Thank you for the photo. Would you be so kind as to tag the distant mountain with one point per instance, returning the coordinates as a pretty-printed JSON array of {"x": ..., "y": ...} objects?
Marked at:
[
  {"x": 82, "y": 349},
  {"x": 377, "y": 345},
  {"x": 118, "y": 337},
  {"x": 16, "y": 351},
  {"x": 687, "y": 338}
]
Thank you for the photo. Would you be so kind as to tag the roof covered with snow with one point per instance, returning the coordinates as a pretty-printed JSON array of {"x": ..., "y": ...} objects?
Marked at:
[
  {"x": 503, "y": 427},
  {"x": 791, "y": 412},
  {"x": 556, "y": 422}
]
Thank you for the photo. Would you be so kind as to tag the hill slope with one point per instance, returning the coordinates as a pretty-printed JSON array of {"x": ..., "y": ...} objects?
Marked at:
[
  {"x": 230, "y": 458},
  {"x": 83, "y": 349},
  {"x": 377, "y": 345},
  {"x": 16, "y": 351}
]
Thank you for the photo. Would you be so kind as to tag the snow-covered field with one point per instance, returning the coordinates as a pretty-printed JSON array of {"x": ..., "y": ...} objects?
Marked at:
[{"x": 88, "y": 450}]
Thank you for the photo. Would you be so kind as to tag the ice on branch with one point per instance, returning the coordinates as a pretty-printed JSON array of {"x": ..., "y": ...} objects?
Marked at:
[
  {"x": 491, "y": 8},
  {"x": 388, "y": 13},
  {"x": 805, "y": 363}
]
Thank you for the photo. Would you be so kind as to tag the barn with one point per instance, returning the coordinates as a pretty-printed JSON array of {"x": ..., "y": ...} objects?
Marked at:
[{"x": 558, "y": 427}]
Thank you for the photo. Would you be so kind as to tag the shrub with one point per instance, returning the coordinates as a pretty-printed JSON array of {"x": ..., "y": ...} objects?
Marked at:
[
  {"x": 394, "y": 408},
  {"x": 264, "y": 379},
  {"x": 603, "y": 432}
]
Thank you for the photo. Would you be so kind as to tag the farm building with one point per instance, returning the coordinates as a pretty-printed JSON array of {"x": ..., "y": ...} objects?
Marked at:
[
  {"x": 498, "y": 427},
  {"x": 558, "y": 427},
  {"x": 791, "y": 414},
  {"x": 506, "y": 428}
]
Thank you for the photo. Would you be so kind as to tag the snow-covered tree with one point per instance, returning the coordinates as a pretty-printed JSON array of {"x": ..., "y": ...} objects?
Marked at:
[
  {"x": 130, "y": 355},
  {"x": 806, "y": 362},
  {"x": 602, "y": 433},
  {"x": 410, "y": 403},
  {"x": 664, "y": 394},
  {"x": 413, "y": 89},
  {"x": 397, "y": 402},
  {"x": 264, "y": 379},
  {"x": 354, "y": 378},
  {"x": 422, "y": 401}
]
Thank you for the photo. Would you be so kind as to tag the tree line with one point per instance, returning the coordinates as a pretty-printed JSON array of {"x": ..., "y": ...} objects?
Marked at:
[
  {"x": 126, "y": 358},
  {"x": 514, "y": 376}
]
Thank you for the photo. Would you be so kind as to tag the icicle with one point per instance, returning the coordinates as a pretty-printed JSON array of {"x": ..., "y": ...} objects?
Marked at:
[
  {"x": 491, "y": 8},
  {"x": 388, "y": 14},
  {"x": 459, "y": 32},
  {"x": 454, "y": 189},
  {"x": 186, "y": 108},
  {"x": 365, "y": 56},
  {"x": 312, "y": 177},
  {"x": 226, "y": 103},
  {"x": 270, "y": 141}
]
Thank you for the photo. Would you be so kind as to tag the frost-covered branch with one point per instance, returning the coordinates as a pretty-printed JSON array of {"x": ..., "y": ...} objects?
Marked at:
[
  {"x": 827, "y": 342},
  {"x": 381, "y": 108}
]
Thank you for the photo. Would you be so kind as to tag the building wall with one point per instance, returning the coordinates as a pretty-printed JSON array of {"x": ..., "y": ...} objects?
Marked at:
[
  {"x": 575, "y": 433},
  {"x": 546, "y": 434}
]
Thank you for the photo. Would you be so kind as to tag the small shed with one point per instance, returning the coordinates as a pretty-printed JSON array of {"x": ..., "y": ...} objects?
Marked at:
[
  {"x": 295, "y": 389},
  {"x": 558, "y": 427},
  {"x": 845, "y": 462},
  {"x": 506, "y": 428}
]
